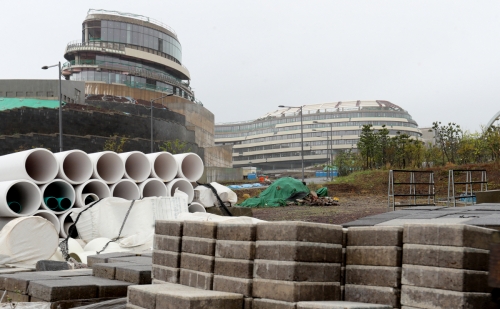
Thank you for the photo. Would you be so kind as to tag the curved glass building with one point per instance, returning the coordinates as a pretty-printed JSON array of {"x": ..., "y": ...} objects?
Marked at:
[
  {"x": 122, "y": 54},
  {"x": 274, "y": 140}
]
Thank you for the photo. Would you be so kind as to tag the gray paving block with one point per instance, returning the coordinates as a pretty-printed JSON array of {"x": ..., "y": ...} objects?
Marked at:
[
  {"x": 166, "y": 258},
  {"x": 299, "y": 231},
  {"x": 381, "y": 276},
  {"x": 106, "y": 270},
  {"x": 433, "y": 298},
  {"x": 62, "y": 289},
  {"x": 435, "y": 221},
  {"x": 432, "y": 214},
  {"x": 290, "y": 291},
  {"x": 368, "y": 222},
  {"x": 136, "y": 274},
  {"x": 233, "y": 268},
  {"x": 68, "y": 273},
  {"x": 375, "y": 236},
  {"x": 49, "y": 265},
  {"x": 169, "y": 228},
  {"x": 105, "y": 287},
  {"x": 197, "y": 262},
  {"x": 491, "y": 221},
  {"x": 141, "y": 260},
  {"x": 446, "y": 256},
  {"x": 233, "y": 249},
  {"x": 233, "y": 285},
  {"x": 19, "y": 282},
  {"x": 423, "y": 208},
  {"x": 298, "y": 251},
  {"x": 104, "y": 257},
  {"x": 196, "y": 245},
  {"x": 459, "y": 280},
  {"x": 167, "y": 274},
  {"x": 196, "y": 279},
  {"x": 13, "y": 297},
  {"x": 167, "y": 243},
  {"x": 448, "y": 235},
  {"x": 338, "y": 305},
  {"x": 344, "y": 237},
  {"x": 373, "y": 294},
  {"x": 201, "y": 229},
  {"x": 144, "y": 296},
  {"x": 296, "y": 271},
  {"x": 374, "y": 256},
  {"x": 236, "y": 232},
  {"x": 247, "y": 303},
  {"x": 262, "y": 303}
]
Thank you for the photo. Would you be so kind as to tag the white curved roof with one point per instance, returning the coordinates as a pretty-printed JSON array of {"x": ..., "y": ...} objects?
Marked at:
[{"x": 334, "y": 107}]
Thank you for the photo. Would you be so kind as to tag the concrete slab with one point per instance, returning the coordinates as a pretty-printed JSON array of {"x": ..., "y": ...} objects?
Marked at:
[
  {"x": 338, "y": 305},
  {"x": 299, "y": 231},
  {"x": 196, "y": 245},
  {"x": 368, "y": 222},
  {"x": 296, "y": 271},
  {"x": 375, "y": 236},
  {"x": 20, "y": 282},
  {"x": 167, "y": 243},
  {"x": 236, "y": 232},
  {"x": 169, "y": 228},
  {"x": 233, "y": 249},
  {"x": 290, "y": 291},
  {"x": 298, "y": 251},
  {"x": 373, "y": 275},
  {"x": 373, "y": 295},
  {"x": 433, "y": 298},
  {"x": 136, "y": 274},
  {"x": 62, "y": 289},
  {"x": 233, "y": 268},
  {"x": 105, "y": 287},
  {"x": 448, "y": 235},
  {"x": 491, "y": 221},
  {"x": 201, "y": 229},
  {"x": 438, "y": 221},
  {"x": 446, "y": 256},
  {"x": 233, "y": 285},
  {"x": 374, "y": 256}
]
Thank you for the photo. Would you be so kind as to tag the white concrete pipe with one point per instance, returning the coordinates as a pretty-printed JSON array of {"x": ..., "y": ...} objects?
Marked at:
[
  {"x": 89, "y": 198},
  {"x": 95, "y": 186},
  {"x": 38, "y": 165},
  {"x": 153, "y": 187},
  {"x": 57, "y": 196},
  {"x": 107, "y": 166},
  {"x": 19, "y": 198},
  {"x": 65, "y": 222},
  {"x": 126, "y": 189},
  {"x": 74, "y": 166},
  {"x": 196, "y": 207},
  {"x": 50, "y": 216},
  {"x": 163, "y": 165},
  {"x": 183, "y": 185},
  {"x": 137, "y": 165},
  {"x": 189, "y": 166}
]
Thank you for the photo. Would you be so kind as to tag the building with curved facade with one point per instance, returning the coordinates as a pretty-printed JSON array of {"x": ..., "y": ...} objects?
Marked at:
[{"x": 274, "y": 140}]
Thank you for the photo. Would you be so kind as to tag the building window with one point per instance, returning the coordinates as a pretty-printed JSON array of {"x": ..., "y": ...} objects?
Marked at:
[
  {"x": 29, "y": 94},
  {"x": 40, "y": 94},
  {"x": 50, "y": 93},
  {"x": 9, "y": 94},
  {"x": 19, "y": 94}
]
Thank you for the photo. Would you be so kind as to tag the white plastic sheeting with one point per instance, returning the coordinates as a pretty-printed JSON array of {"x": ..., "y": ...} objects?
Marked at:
[
  {"x": 206, "y": 197},
  {"x": 106, "y": 218},
  {"x": 204, "y": 216},
  {"x": 27, "y": 240}
]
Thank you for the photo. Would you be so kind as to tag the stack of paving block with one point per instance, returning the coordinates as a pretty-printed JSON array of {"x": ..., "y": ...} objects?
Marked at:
[
  {"x": 234, "y": 259},
  {"x": 198, "y": 254},
  {"x": 296, "y": 261},
  {"x": 122, "y": 266},
  {"x": 445, "y": 266},
  {"x": 167, "y": 251},
  {"x": 373, "y": 265},
  {"x": 342, "y": 265}
]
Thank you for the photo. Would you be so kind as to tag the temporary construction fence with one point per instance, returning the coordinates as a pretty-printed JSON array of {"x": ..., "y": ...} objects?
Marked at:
[{"x": 278, "y": 193}]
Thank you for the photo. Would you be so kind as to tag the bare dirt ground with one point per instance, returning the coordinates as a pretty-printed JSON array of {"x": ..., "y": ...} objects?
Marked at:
[{"x": 352, "y": 206}]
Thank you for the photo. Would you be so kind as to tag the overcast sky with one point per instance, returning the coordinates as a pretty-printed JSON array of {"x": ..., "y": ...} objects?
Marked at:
[{"x": 439, "y": 60}]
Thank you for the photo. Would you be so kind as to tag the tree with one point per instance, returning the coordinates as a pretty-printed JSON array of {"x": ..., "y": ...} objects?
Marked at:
[
  {"x": 367, "y": 144},
  {"x": 448, "y": 138},
  {"x": 115, "y": 144},
  {"x": 175, "y": 147},
  {"x": 345, "y": 161}
]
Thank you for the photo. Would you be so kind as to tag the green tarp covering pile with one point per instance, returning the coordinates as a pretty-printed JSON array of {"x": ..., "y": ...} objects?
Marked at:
[
  {"x": 322, "y": 192},
  {"x": 11, "y": 103},
  {"x": 278, "y": 193}
]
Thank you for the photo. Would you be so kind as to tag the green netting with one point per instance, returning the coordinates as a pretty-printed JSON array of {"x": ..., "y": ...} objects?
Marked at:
[
  {"x": 11, "y": 103},
  {"x": 322, "y": 192},
  {"x": 278, "y": 193}
]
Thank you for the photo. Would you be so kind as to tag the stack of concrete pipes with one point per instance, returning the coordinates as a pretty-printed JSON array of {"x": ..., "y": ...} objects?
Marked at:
[{"x": 38, "y": 182}]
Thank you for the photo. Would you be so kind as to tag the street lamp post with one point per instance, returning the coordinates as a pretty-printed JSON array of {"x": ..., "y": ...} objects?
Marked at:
[
  {"x": 330, "y": 150},
  {"x": 301, "y": 137},
  {"x": 45, "y": 67},
  {"x": 152, "y": 131}
]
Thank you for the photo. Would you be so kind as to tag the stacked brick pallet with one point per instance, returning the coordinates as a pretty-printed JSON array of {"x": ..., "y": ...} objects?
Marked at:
[
  {"x": 296, "y": 261},
  {"x": 234, "y": 259},
  {"x": 342, "y": 264},
  {"x": 125, "y": 267},
  {"x": 445, "y": 266},
  {"x": 373, "y": 265},
  {"x": 167, "y": 251}
]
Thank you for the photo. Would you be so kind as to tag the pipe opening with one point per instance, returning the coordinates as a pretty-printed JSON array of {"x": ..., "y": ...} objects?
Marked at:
[
  {"x": 110, "y": 167},
  {"x": 90, "y": 198},
  {"x": 165, "y": 167},
  {"x": 15, "y": 207},
  {"x": 41, "y": 166},
  {"x": 92, "y": 189},
  {"x": 196, "y": 207},
  {"x": 24, "y": 197},
  {"x": 51, "y": 202},
  {"x": 192, "y": 167},
  {"x": 183, "y": 185},
  {"x": 153, "y": 187},
  {"x": 63, "y": 203},
  {"x": 68, "y": 222},
  {"x": 137, "y": 167},
  {"x": 77, "y": 167},
  {"x": 126, "y": 189}
]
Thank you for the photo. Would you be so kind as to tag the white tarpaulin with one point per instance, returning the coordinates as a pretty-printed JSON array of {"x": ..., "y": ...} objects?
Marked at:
[
  {"x": 106, "y": 218},
  {"x": 206, "y": 197},
  {"x": 203, "y": 216},
  {"x": 27, "y": 240}
]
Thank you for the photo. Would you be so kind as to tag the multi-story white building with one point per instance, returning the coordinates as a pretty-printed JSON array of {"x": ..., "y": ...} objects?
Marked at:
[{"x": 274, "y": 140}]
